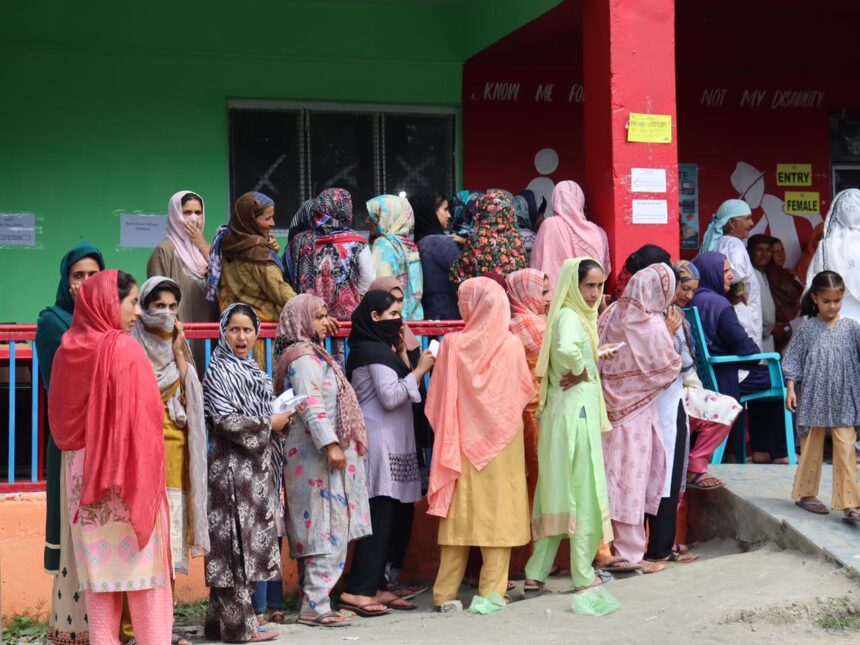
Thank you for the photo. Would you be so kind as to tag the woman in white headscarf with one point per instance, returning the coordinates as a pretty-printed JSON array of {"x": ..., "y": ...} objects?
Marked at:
[
  {"x": 728, "y": 229},
  {"x": 839, "y": 250}
]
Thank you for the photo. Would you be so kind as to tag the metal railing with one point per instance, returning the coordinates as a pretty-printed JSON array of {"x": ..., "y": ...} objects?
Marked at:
[{"x": 24, "y": 450}]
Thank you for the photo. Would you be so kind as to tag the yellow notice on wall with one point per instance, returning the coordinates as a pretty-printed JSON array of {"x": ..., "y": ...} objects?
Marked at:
[
  {"x": 650, "y": 128},
  {"x": 793, "y": 174},
  {"x": 802, "y": 203}
]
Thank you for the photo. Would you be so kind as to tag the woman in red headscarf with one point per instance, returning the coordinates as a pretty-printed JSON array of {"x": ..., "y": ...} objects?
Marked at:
[{"x": 105, "y": 413}]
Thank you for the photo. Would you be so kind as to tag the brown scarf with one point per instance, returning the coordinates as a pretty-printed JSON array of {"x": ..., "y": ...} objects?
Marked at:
[{"x": 245, "y": 239}]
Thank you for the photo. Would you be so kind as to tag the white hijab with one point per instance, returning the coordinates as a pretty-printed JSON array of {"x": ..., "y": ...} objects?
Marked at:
[
  {"x": 191, "y": 257},
  {"x": 840, "y": 248}
]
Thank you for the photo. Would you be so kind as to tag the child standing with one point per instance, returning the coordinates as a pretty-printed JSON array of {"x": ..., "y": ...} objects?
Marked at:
[{"x": 824, "y": 358}]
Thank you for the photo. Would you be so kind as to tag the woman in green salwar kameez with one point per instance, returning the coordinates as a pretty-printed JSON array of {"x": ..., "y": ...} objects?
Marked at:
[{"x": 571, "y": 499}]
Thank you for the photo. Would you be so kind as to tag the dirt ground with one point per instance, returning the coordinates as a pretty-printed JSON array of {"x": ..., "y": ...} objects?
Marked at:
[{"x": 764, "y": 595}]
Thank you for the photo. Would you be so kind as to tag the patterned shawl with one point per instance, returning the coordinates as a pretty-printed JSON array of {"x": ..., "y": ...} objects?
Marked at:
[
  {"x": 394, "y": 252},
  {"x": 649, "y": 362},
  {"x": 325, "y": 258},
  {"x": 528, "y": 320},
  {"x": 295, "y": 338},
  {"x": 494, "y": 244},
  {"x": 234, "y": 385}
]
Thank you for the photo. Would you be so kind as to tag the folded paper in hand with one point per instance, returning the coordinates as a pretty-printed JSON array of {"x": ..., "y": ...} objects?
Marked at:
[{"x": 288, "y": 401}]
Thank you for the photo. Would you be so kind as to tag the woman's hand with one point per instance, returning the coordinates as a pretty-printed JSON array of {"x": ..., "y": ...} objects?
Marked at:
[
  {"x": 611, "y": 350},
  {"x": 280, "y": 420},
  {"x": 336, "y": 458},
  {"x": 179, "y": 348},
  {"x": 673, "y": 320},
  {"x": 459, "y": 239},
  {"x": 331, "y": 326},
  {"x": 271, "y": 240},
  {"x": 791, "y": 398},
  {"x": 426, "y": 361},
  {"x": 570, "y": 379}
]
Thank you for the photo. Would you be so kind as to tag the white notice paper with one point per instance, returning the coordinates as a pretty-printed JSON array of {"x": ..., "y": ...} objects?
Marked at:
[
  {"x": 17, "y": 229},
  {"x": 288, "y": 401},
  {"x": 650, "y": 211},
  {"x": 648, "y": 180},
  {"x": 141, "y": 231}
]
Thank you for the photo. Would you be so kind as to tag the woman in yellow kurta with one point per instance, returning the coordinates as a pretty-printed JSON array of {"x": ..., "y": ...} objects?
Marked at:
[{"x": 480, "y": 386}]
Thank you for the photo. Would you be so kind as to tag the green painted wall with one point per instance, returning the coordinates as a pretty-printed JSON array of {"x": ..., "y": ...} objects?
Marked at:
[{"x": 108, "y": 107}]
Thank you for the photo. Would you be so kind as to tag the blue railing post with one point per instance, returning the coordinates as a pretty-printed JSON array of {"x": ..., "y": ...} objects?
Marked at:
[
  {"x": 269, "y": 357},
  {"x": 12, "y": 384},
  {"x": 34, "y": 417}
]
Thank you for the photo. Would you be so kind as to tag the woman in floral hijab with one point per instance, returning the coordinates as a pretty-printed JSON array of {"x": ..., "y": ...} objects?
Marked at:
[{"x": 494, "y": 244}]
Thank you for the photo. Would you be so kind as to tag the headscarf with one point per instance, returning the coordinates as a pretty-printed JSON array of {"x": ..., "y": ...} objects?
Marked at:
[
  {"x": 805, "y": 260},
  {"x": 729, "y": 209},
  {"x": 301, "y": 220},
  {"x": 528, "y": 320},
  {"x": 527, "y": 234},
  {"x": 643, "y": 257},
  {"x": 649, "y": 362},
  {"x": 296, "y": 338},
  {"x": 481, "y": 384},
  {"x": 388, "y": 284},
  {"x": 568, "y": 234},
  {"x": 426, "y": 221},
  {"x": 368, "y": 344},
  {"x": 55, "y": 321},
  {"x": 463, "y": 207},
  {"x": 494, "y": 244},
  {"x": 710, "y": 298},
  {"x": 394, "y": 252},
  {"x": 568, "y": 296},
  {"x": 104, "y": 397},
  {"x": 687, "y": 271},
  {"x": 529, "y": 208},
  {"x": 184, "y": 405},
  {"x": 191, "y": 257},
  {"x": 234, "y": 385},
  {"x": 325, "y": 257},
  {"x": 244, "y": 239},
  {"x": 839, "y": 250}
]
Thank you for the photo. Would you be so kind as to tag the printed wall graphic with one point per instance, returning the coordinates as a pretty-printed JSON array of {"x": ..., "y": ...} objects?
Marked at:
[
  {"x": 546, "y": 163},
  {"x": 748, "y": 181},
  {"x": 688, "y": 193}
]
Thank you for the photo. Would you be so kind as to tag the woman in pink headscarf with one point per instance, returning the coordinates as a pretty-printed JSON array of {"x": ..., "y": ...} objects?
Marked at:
[
  {"x": 480, "y": 386},
  {"x": 568, "y": 234},
  {"x": 183, "y": 256},
  {"x": 634, "y": 454}
]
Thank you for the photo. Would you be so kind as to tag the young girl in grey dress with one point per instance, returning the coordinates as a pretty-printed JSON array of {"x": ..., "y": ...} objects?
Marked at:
[{"x": 824, "y": 359}]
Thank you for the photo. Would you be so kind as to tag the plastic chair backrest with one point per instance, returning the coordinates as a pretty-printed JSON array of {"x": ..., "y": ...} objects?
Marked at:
[{"x": 702, "y": 356}]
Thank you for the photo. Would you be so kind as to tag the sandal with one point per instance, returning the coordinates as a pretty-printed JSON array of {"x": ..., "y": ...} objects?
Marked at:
[
  {"x": 406, "y": 592},
  {"x": 813, "y": 506},
  {"x": 619, "y": 565},
  {"x": 363, "y": 611},
  {"x": 401, "y": 604},
  {"x": 261, "y": 619},
  {"x": 678, "y": 558},
  {"x": 597, "y": 582},
  {"x": 699, "y": 481},
  {"x": 681, "y": 549},
  {"x": 328, "y": 619},
  {"x": 276, "y": 617},
  {"x": 652, "y": 567},
  {"x": 851, "y": 515},
  {"x": 261, "y": 637},
  {"x": 176, "y": 639},
  {"x": 533, "y": 585}
]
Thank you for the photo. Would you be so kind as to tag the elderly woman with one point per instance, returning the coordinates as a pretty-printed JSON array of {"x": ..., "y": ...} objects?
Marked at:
[
  {"x": 568, "y": 234},
  {"x": 114, "y": 462},
  {"x": 324, "y": 463},
  {"x": 728, "y": 229},
  {"x": 244, "y": 262},
  {"x": 68, "y": 608},
  {"x": 639, "y": 453},
  {"x": 183, "y": 256},
  {"x": 494, "y": 243},
  {"x": 329, "y": 259},
  {"x": 392, "y": 221},
  {"x": 238, "y": 399},
  {"x": 477, "y": 395},
  {"x": 386, "y": 385}
]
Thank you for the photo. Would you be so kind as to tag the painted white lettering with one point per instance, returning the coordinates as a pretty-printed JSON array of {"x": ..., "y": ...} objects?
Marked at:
[
  {"x": 497, "y": 91},
  {"x": 576, "y": 94},
  {"x": 713, "y": 98},
  {"x": 544, "y": 93},
  {"x": 752, "y": 98}
]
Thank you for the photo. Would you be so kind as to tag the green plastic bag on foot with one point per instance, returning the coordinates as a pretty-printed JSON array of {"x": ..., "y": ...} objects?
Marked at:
[
  {"x": 488, "y": 604},
  {"x": 596, "y": 601}
]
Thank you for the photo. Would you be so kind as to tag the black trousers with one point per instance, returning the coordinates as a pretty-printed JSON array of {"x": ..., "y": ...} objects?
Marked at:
[
  {"x": 661, "y": 527},
  {"x": 370, "y": 555},
  {"x": 401, "y": 532}
]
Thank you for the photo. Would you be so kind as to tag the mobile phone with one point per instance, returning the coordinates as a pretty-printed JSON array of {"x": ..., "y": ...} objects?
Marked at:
[{"x": 434, "y": 347}]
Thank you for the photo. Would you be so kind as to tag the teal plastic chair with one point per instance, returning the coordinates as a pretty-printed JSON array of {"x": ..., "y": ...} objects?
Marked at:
[{"x": 705, "y": 368}]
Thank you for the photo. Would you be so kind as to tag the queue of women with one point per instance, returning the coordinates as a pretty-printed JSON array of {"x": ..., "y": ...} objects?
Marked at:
[{"x": 552, "y": 414}]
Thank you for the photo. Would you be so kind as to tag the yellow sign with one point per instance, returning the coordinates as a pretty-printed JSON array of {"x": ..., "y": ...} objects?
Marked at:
[
  {"x": 650, "y": 128},
  {"x": 800, "y": 203},
  {"x": 793, "y": 174}
]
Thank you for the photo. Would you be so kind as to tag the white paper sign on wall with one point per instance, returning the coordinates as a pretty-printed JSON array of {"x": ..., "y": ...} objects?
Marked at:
[
  {"x": 17, "y": 229},
  {"x": 138, "y": 231},
  {"x": 650, "y": 211}
]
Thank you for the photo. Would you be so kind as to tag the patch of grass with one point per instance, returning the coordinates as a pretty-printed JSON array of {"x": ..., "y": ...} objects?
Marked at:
[
  {"x": 24, "y": 628},
  {"x": 841, "y": 622},
  {"x": 190, "y": 613}
]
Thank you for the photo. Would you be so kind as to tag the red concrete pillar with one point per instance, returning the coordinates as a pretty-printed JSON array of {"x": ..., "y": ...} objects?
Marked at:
[{"x": 629, "y": 66}]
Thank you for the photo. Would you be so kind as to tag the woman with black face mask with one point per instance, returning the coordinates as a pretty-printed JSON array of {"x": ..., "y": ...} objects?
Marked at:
[{"x": 386, "y": 386}]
